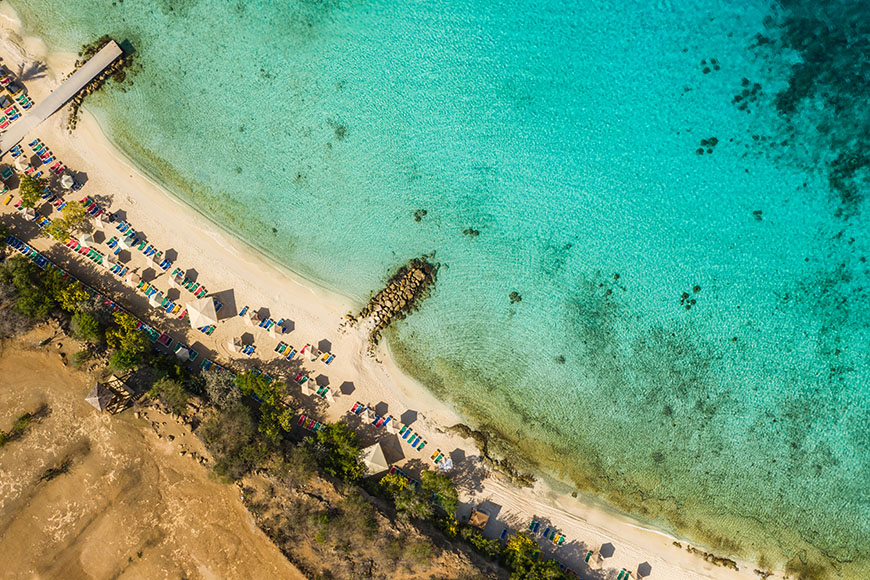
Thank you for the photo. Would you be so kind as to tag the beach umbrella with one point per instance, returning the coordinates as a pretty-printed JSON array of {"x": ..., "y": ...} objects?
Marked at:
[
  {"x": 644, "y": 570},
  {"x": 366, "y": 415},
  {"x": 122, "y": 243},
  {"x": 446, "y": 464},
  {"x": 606, "y": 550},
  {"x": 305, "y": 390},
  {"x": 132, "y": 277},
  {"x": 110, "y": 260},
  {"x": 202, "y": 312},
  {"x": 273, "y": 331},
  {"x": 86, "y": 240},
  {"x": 183, "y": 353},
  {"x": 67, "y": 181},
  {"x": 235, "y": 344},
  {"x": 154, "y": 301},
  {"x": 392, "y": 426},
  {"x": 330, "y": 398},
  {"x": 252, "y": 318},
  {"x": 177, "y": 280},
  {"x": 29, "y": 213},
  {"x": 98, "y": 222},
  {"x": 373, "y": 459},
  {"x": 22, "y": 163}
]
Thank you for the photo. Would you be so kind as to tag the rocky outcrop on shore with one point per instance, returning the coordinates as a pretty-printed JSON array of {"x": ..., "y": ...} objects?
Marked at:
[
  {"x": 402, "y": 295},
  {"x": 116, "y": 71}
]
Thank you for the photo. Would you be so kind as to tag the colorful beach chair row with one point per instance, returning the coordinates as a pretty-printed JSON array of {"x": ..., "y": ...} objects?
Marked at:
[
  {"x": 322, "y": 391},
  {"x": 248, "y": 350},
  {"x": 381, "y": 421},
  {"x": 28, "y": 251},
  {"x": 413, "y": 439},
  {"x": 310, "y": 424},
  {"x": 194, "y": 287},
  {"x": 301, "y": 378},
  {"x": 437, "y": 457}
]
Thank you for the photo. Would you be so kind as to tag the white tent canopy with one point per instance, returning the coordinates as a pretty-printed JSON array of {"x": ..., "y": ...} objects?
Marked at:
[
  {"x": 374, "y": 460},
  {"x": 29, "y": 213},
  {"x": 67, "y": 181},
  {"x": 202, "y": 312}
]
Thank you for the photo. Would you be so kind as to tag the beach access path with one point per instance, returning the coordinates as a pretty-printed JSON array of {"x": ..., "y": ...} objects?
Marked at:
[{"x": 30, "y": 120}]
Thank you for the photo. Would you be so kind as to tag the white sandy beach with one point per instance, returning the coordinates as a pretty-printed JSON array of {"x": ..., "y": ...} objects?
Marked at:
[{"x": 227, "y": 266}]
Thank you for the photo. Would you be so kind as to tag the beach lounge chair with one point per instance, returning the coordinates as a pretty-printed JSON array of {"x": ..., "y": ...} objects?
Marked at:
[
  {"x": 243, "y": 311},
  {"x": 291, "y": 353},
  {"x": 503, "y": 535},
  {"x": 301, "y": 420},
  {"x": 421, "y": 446},
  {"x": 407, "y": 434}
]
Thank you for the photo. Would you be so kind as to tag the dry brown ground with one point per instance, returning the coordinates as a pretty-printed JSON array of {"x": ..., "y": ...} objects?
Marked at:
[{"x": 130, "y": 506}]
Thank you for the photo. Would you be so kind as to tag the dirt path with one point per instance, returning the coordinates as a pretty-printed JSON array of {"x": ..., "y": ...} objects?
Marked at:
[{"x": 129, "y": 506}]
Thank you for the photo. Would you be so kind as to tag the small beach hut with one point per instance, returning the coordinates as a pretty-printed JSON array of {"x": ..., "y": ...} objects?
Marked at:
[
  {"x": 478, "y": 519},
  {"x": 202, "y": 312},
  {"x": 132, "y": 277},
  {"x": 100, "y": 397},
  {"x": 67, "y": 181},
  {"x": 374, "y": 460},
  {"x": 86, "y": 240},
  {"x": 22, "y": 163}
]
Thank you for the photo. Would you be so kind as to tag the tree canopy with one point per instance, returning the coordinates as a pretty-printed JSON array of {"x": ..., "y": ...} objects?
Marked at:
[
  {"x": 338, "y": 452},
  {"x": 74, "y": 218},
  {"x": 31, "y": 189}
]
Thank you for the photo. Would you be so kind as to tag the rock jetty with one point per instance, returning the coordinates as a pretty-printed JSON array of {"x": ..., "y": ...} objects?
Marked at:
[
  {"x": 116, "y": 71},
  {"x": 402, "y": 295}
]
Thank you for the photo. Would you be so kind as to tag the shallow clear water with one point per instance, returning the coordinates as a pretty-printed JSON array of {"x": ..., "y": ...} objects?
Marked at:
[{"x": 567, "y": 134}]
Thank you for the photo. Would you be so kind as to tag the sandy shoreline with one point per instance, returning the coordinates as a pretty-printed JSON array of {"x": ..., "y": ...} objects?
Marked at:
[{"x": 228, "y": 267}]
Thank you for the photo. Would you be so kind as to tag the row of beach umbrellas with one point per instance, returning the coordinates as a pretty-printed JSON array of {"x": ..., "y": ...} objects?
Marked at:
[{"x": 22, "y": 162}]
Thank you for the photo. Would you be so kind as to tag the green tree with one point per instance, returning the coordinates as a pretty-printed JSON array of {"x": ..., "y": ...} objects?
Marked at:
[
  {"x": 85, "y": 326},
  {"x": 393, "y": 484},
  {"x": 220, "y": 386},
  {"x": 411, "y": 505},
  {"x": 275, "y": 419},
  {"x": 124, "y": 335},
  {"x": 31, "y": 189},
  {"x": 337, "y": 448},
  {"x": 122, "y": 360},
  {"x": 440, "y": 485},
  {"x": 521, "y": 553},
  {"x": 75, "y": 216},
  {"x": 232, "y": 437},
  {"x": 171, "y": 394},
  {"x": 31, "y": 298}
]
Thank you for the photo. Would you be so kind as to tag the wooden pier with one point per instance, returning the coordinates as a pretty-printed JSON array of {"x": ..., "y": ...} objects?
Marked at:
[{"x": 60, "y": 96}]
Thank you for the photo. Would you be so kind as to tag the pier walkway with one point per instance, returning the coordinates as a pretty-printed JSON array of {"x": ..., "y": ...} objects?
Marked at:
[{"x": 59, "y": 97}]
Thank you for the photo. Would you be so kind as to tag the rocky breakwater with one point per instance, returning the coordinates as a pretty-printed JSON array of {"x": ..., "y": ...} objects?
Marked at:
[
  {"x": 116, "y": 71},
  {"x": 402, "y": 295}
]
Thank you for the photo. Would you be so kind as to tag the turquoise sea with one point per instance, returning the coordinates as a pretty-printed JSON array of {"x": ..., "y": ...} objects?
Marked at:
[{"x": 612, "y": 156}]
